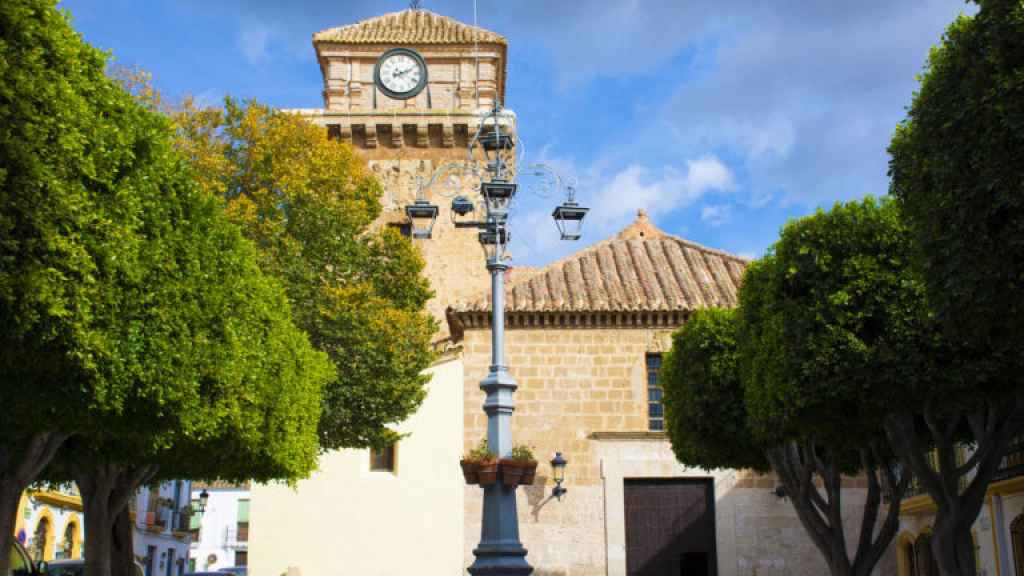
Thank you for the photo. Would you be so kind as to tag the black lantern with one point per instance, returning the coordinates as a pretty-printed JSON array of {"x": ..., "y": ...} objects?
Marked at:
[
  {"x": 497, "y": 145},
  {"x": 569, "y": 219},
  {"x": 204, "y": 497},
  {"x": 422, "y": 214},
  {"x": 462, "y": 205},
  {"x": 497, "y": 193},
  {"x": 558, "y": 475}
]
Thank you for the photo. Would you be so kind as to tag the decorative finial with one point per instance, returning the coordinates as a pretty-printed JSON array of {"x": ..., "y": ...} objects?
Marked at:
[
  {"x": 415, "y": 5},
  {"x": 641, "y": 214}
]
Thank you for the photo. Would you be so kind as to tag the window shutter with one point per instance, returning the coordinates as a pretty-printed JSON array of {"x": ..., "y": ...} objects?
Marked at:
[{"x": 243, "y": 510}]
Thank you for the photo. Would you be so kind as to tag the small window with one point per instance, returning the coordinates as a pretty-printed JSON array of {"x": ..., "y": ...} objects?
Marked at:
[
  {"x": 242, "y": 527},
  {"x": 655, "y": 409},
  {"x": 241, "y": 557},
  {"x": 383, "y": 459}
]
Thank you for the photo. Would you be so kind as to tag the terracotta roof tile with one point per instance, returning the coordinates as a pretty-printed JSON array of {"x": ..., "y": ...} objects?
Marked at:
[
  {"x": 640, "y": 269},
  {"x": 409, "y": 27}
]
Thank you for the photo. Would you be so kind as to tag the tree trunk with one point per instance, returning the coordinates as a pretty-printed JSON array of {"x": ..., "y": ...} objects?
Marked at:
[
  {"x": 122, "y": 552},
  {"x": 993, "y": 427},
  {"x": 106, "y": 490},
  {"x": 821, "y": 515},
  {"x": 19, "y": 467},
  {"x": 96, "y": 487},
  {"x": 9, "y": 497}
]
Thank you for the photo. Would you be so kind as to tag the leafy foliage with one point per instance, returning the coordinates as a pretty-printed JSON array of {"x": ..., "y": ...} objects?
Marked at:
[
  {"x": 481, "y": 452},
  {"x": 705, "y": 412},
  {"x": 135, "y": 316},
  {"x": 522, "y": 452},
  {"x": 309, "y": 203},
  {"x": 829, "y": 319},
  {"x": 957, "y": 169}
]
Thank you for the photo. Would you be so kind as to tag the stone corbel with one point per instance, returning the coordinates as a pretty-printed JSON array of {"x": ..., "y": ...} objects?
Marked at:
[
  {"x": 397, "y": 136},
  {"x": 447, "y": 135},
  {"x": 422, "y": 135},
  {"x": 371, "y": 135}
]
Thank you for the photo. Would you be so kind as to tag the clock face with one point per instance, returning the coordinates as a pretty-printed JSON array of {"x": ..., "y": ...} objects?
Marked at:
[{"x": 401, "y": 73}]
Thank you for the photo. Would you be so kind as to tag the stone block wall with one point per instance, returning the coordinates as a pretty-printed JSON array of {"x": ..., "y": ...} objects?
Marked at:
[{"x": 583, "y": 392}]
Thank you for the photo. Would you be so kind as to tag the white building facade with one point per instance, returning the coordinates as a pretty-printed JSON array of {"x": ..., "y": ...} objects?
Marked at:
[
  {"x": 220, "y": 535},
  {"x": 161, "y": 515}
]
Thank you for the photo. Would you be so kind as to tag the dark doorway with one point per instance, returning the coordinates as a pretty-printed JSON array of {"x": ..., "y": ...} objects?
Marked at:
[{"x": 670, "y": 527}]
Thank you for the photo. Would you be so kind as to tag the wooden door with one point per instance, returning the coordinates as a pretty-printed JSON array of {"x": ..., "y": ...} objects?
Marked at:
[{"x": 670, "y": 527}]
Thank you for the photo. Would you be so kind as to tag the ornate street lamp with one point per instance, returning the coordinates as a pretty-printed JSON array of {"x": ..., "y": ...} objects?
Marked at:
[
  {"x": 569, "y": 217},
  {"x": 499, "y": 553},
  {"x": 558, "y": 475}
]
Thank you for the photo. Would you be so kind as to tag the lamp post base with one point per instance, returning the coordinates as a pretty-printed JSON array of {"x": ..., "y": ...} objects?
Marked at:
[{"x": 500, "y": 560}]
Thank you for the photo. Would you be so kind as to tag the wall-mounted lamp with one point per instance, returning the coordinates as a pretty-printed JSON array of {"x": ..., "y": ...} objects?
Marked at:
[
  {"x": 558, "y": 474},
  {"x": 422, "y": 215},
  {"x": 204, "y": 497}
]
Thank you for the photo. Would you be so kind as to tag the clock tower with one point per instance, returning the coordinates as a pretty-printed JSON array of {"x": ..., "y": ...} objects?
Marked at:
[{"x": 408, "y": 90}]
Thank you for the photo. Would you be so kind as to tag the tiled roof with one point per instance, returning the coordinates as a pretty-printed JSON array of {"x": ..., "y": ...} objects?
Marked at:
[
  {"x": 642, "y": 269},
  {"x": 409, "y": 27}
]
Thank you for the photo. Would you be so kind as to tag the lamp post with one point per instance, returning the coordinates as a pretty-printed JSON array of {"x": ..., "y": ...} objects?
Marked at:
[{"x": 500, "y": 552}]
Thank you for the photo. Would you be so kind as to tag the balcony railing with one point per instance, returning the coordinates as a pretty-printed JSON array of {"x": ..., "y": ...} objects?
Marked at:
[
  {"x": 1012, "y": 466},
  {"x": 182, "y": 522},
  {"x": 237, "y": 537}
]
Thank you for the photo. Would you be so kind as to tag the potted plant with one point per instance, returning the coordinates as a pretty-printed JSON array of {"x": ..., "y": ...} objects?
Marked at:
[
  {"x": 480, "y": 466},
  {"x": 520, "y": 468}
]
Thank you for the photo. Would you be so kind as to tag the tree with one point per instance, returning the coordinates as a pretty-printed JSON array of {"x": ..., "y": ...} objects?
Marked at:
[
  {"x": 957, "y": 169},
  {"x": 133, "y": 313},
  {"x": 793, "y": 381},
  {"x": 310, "y": 204},
  {"x": 65, "y": 238},
  {"x": 707, "y": 423}
]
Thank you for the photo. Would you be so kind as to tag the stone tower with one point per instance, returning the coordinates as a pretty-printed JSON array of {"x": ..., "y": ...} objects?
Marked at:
[{"x": 405, "y": 140}]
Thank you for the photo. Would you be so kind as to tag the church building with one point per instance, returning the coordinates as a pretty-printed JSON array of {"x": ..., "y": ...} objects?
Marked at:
[{"x": 584, "y": 340}]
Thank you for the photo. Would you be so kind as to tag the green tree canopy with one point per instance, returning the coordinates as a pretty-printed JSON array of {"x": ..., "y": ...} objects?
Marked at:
[
  {"x": 791, "y": 378},
  {"x": 705, "y": 412},
  {"x": 828, "y": 319},
  {"x": 134, "y": 314},
  {"x": 957, "y": 169},
  {"x": 309, "y": 204}
]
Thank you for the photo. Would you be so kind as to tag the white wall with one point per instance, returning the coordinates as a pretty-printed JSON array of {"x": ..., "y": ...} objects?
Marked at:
[
  {"x": 217, "y": 535},
  {"x": 349, "y": 520}
]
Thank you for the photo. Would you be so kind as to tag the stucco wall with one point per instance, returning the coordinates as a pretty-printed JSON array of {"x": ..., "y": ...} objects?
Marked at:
[{"x": 349, "y": 520}]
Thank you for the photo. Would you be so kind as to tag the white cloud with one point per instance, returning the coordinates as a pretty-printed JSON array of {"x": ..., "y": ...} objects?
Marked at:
[
  {"x": 617, "y": 196},
  {"x": 715, "y": 214},
  {"x": 252, "y": 41}
]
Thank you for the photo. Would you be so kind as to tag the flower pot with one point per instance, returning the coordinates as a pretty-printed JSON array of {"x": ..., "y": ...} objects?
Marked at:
[
  {"x": 511, "y": 472},
  {"x": 529, "y": 473},
  {"x": 470, "y": 471},
  {"x": 488, "y": 473}
]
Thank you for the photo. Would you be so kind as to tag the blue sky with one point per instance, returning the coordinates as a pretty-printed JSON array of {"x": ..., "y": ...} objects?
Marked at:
[{"x": 722, "y": 119}]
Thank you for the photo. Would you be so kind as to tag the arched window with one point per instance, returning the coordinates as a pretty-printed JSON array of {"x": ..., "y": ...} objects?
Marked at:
[
  {"x": 39, "y": 538},
  {"x": 1017, "y": 533},
  {"x": 924, "y": 560},
  {"x": 67, "y": 546}
]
